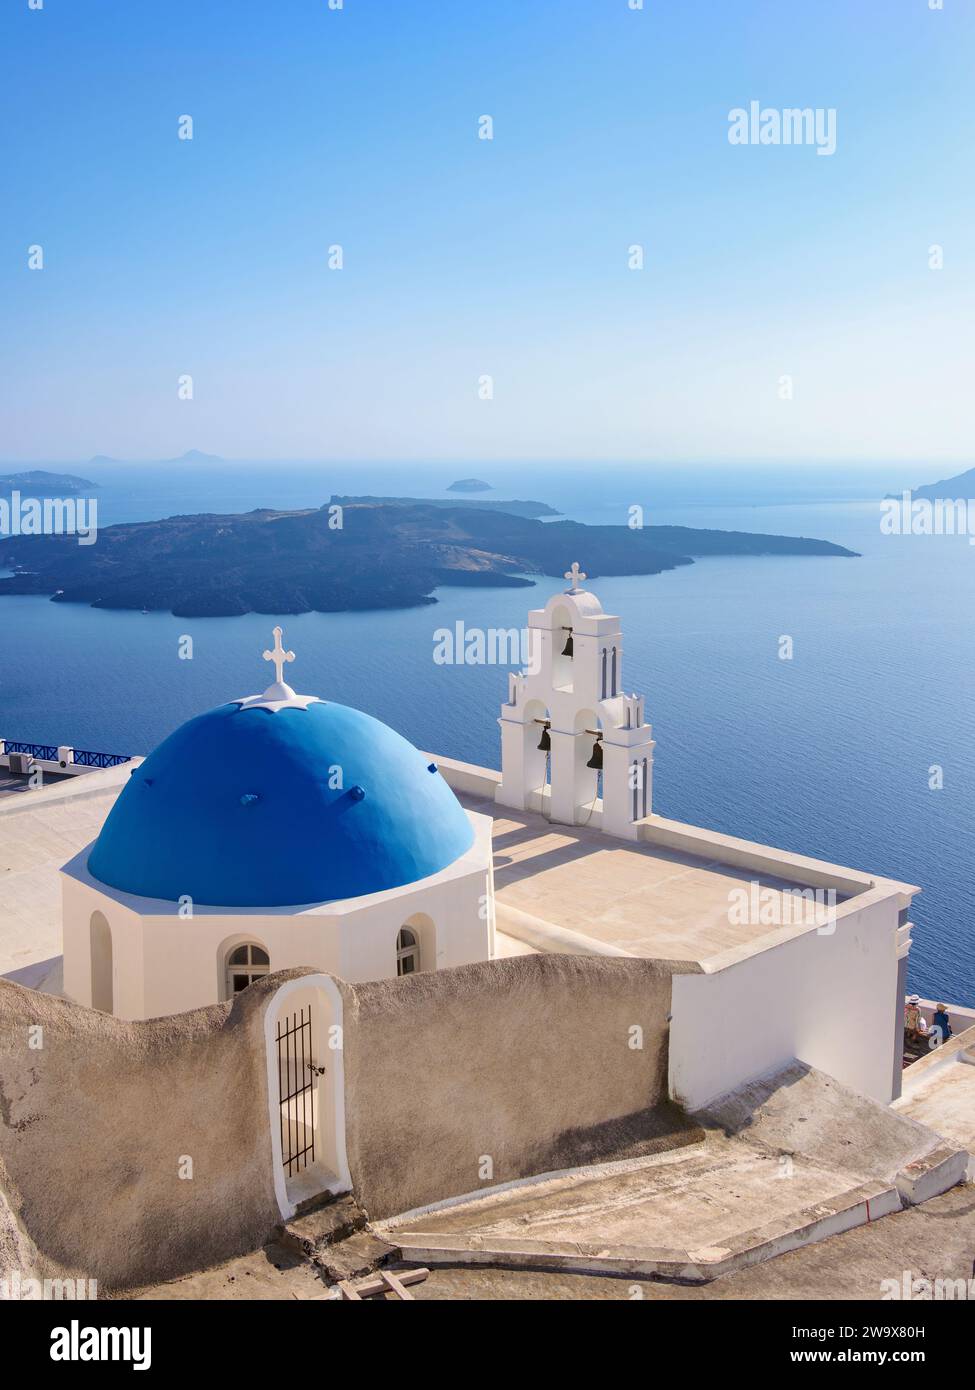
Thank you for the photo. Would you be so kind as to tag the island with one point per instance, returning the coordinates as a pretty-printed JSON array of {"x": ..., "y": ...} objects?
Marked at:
[
  {"x": 960, "y": 487},
  {"x": 348, "y": 556},
  {"x": 469, "y": 485},
  {"x": 514, "y": 508},
  {"x": 37, "y": 482},
  {"x": 191, "y": 456}
]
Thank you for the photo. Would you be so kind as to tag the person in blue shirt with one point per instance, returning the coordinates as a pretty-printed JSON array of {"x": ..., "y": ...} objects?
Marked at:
[{"x": 940, "y": 1027}]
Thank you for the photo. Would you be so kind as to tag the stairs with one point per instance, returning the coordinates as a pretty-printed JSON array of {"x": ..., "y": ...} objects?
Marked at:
[{"x": 332, "y": 1234}]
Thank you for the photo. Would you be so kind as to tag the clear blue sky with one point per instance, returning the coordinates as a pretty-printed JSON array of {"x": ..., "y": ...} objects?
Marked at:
[{"x": 466, "y": 257}]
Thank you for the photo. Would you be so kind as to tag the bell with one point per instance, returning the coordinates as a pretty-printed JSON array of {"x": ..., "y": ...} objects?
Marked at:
[
  {"x": 545, "y": 743},
  {"x": 567, "y": 649},
  {"x": 596, "y": 760}
]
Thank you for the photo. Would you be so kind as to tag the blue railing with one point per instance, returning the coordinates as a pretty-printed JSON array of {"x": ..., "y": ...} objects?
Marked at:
[
  {"x": 86, "y": 758},
  {"x": 48, "y": 753}
]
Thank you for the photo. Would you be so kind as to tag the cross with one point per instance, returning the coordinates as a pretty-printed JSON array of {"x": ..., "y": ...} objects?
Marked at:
[
  {"x": 575, "y": 574},
  {"x": 279, "y": 656}
]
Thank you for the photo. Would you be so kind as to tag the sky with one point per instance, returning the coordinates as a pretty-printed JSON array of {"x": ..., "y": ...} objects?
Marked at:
[{"x": 465, "y": 258}]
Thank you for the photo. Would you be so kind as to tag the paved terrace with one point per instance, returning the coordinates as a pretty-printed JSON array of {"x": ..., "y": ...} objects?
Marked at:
[
  {"x": 939, "y": 1091},
  {"x": 15, "y": 784},
  {"x": 634, "y": 898},
  {"x": 39, "y": 831},
  {"x": 705, "y": 1211}
]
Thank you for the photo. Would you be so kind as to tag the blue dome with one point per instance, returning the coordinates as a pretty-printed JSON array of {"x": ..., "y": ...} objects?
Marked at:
[{"x": 234, "y": 809}]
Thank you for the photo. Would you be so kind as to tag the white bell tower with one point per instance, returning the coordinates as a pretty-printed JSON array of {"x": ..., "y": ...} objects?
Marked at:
[{"x": 570, "y": 699}]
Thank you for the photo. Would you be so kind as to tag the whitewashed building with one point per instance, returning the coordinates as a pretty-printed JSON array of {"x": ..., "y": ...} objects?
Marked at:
[{"x": 282, "y": 830}]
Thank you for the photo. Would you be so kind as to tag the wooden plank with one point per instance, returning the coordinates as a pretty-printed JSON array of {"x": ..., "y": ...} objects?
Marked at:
[
  {"x": 376, "y": 1283},
  {"x": 384, "y": 1281},
  {"x": 397, "y": 1286}
]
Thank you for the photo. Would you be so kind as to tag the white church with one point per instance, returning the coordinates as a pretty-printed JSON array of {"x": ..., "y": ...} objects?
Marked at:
[
  {"x": 282, "y": 830},
  {"x": 330, "y": 967}
]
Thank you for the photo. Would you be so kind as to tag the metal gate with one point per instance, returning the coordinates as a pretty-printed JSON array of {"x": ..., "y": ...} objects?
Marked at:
[{"x": 297, "y": 1091}]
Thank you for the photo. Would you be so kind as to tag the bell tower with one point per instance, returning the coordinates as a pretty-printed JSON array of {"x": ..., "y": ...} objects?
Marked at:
[{"x": 568, "y": 733}]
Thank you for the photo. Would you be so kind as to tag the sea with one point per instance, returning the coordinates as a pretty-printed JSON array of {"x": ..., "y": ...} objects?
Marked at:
[{"x": 853, "y": 740}]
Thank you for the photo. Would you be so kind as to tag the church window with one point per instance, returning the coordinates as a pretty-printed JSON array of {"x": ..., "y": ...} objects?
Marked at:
[
  {"x": 245, "y": 964},
  {"x": 602, "y": 688},
  {"x": 613, "y": 674},
  {"x": 407, "y": 952}
]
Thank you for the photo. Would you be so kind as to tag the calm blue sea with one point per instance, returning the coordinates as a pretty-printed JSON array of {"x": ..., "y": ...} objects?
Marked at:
[{"x": 828, "y": 754}]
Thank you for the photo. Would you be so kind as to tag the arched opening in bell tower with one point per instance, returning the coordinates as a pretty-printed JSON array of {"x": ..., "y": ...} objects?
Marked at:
[
  {"x": 563, "y": 670},
  {"x": 537, "y": 753},
  {"x": 587, "y": 762}
]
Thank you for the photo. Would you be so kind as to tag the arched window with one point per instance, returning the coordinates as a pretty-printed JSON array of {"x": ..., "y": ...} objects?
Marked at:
[
  {"x": 635, "y": 785},
  {"x": 407, "y": 952},
  {"x": 602, "y": 688},
  {"x": 645, "y": 780},
  {"x": 613, "y": 675},
  {"x": 245, "y": 964}
]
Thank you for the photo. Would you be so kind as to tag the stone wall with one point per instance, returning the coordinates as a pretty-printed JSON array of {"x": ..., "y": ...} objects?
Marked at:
[
  {"x": 96, "y": 1123},
  {"x": 454, "y": 1081},
  {"x": 525, "y": 1062}
]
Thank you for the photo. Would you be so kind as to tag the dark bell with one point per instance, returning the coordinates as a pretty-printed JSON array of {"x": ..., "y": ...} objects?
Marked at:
[
  {"x": 596, "y": 760},
  {"x": 545, "y": 743},
  {"x": 567, "y": 649}
]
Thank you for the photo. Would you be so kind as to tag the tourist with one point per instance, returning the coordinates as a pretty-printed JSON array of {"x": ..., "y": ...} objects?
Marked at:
[
  {"x": 914, "y": 1024},
  {"x": 940, "y": 1027}
]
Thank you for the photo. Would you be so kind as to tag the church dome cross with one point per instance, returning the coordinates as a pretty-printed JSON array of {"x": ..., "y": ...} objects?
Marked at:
[{"x": 279, "y": 690}]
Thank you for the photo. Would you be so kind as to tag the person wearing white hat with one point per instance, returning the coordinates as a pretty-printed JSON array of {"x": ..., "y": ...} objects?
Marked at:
[{"x": 914, "y": 1024}]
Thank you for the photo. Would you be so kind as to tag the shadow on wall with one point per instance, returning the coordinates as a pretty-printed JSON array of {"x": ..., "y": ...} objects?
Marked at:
[
  {"x": 479, "y": 1075},
  {"x": 135, "y": 1151}
]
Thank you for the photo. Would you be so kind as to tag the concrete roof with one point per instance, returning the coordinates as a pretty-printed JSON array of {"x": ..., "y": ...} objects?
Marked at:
[
  {"x": 637, "y": 899},
  {"x": 936, "y": 1237},
  {"x": 39, "y": 831},
  {"x": 708, "y": 1209},
  {"x": 14, "y": 784},
  {"x": 939, "y": 1091}
]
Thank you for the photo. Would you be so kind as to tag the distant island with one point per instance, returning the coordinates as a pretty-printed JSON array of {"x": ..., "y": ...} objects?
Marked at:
[
  {"x": 469, "y": 485},
  {"x": 513, "y": 508},
  {"x": 384, "y": 555},
  {"x": 961, "y": 486},
  {"x": 37, "y": 482},
  {"x": 191, "y": 456}
]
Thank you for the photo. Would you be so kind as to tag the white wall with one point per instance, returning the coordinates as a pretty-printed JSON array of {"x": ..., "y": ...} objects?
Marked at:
[
  {"x": 828, "y": 1000},
  {"x": 78, "y": 903},
  {"x": 164, "y": 963}
]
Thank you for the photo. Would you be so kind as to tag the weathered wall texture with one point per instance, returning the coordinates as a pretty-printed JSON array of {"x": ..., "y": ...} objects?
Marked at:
[
  {"x": 93, "y": 1126},
  {"x": 525, "y": 1061}
]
